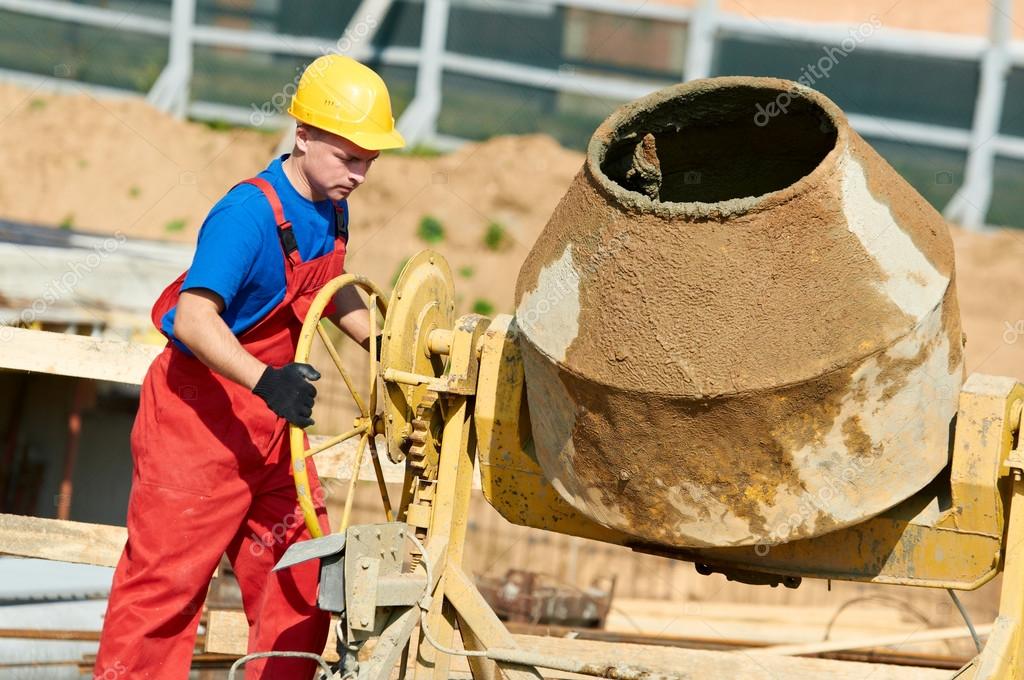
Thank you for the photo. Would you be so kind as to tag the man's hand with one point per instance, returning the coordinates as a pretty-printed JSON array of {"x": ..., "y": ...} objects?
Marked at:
[{"x": 288, "y": 392}]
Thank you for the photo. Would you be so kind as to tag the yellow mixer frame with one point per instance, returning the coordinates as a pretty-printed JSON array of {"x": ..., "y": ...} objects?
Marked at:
[{"x": 454, "y": 397}]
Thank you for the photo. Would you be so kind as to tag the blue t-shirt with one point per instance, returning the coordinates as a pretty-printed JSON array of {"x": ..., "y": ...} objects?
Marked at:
[{"x": 239, "y": 255}]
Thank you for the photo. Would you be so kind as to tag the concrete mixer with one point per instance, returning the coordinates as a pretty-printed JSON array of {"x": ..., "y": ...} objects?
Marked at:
[{"x": 736, "y": 342}]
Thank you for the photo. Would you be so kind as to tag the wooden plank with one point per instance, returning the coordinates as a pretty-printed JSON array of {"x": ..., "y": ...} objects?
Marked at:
[
  {"x": 869, "y": 642},
  {"x": 769, "y": 623},
  {"x": 75, "y": 355},
  {"x": 84, "y": 543},
  {"x": 65, "y": 541},
  {"x": 713, "y": 664},
  {"x": 227, "y": 633},
  {"x": 127, "y": 362}
]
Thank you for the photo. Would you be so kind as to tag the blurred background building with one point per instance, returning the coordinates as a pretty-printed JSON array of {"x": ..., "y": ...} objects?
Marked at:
[{"x": 937, "y": 87}]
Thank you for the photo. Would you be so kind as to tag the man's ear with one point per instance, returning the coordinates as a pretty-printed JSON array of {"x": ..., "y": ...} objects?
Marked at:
[{"x": 302, "y": 137}]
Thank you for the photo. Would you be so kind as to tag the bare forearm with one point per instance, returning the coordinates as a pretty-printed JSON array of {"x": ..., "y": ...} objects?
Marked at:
[
  {"x": 352, "y": 317},
  {"x": 199, "y": 325}
]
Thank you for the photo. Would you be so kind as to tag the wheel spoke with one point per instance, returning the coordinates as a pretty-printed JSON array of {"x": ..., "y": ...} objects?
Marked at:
[
  {"x": 350, "y": 497},
  {"x": 341, "y": 369},
  {"x": 323, "y": 446},
  {"x": 373, "y": 353},
  {"x": 384, "y": 497}
]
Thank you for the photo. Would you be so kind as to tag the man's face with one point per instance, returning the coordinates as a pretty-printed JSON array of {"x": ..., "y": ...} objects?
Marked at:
[{"x": 334, "y": 166}]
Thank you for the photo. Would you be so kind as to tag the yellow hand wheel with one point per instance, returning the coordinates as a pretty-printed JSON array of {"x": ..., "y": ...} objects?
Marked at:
[{"x": 367, "y": 425}]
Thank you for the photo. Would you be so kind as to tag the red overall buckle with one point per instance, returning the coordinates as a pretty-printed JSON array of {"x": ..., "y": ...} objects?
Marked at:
[{"x": 288, "y": 242}]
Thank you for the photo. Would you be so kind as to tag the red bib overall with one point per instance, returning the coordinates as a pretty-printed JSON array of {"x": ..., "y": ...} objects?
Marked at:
[{"x": 212, "y": 477}]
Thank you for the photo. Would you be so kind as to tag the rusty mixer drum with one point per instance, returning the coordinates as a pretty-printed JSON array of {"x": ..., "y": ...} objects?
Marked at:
[{"x": 740, "y": 324}]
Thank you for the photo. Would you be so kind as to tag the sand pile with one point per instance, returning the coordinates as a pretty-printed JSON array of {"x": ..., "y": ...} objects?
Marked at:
[{"x": 105, "y": 165}]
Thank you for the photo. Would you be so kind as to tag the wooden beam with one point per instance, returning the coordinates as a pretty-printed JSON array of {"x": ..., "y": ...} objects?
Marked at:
[
  {"x": 714, "y": 664},
  {"x": 127, "y": 362},
  {"x": 228, "y": 633},
  {"x": 75, "y": 355},
  {"x": 101, "y": 544},
  {"x": 62, "y": 540},
  {"x": 897, "y": 640}
]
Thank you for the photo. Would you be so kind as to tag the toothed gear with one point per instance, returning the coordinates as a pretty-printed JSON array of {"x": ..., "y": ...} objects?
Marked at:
[{"x": 423, "y": 443}]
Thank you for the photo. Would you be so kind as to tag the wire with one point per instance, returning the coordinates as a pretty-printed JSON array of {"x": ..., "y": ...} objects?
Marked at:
[
  {"x": 424, "y": 605},
  {"x": 287, "y": 655},
  {"x": 967, "y": 619},
  {"x": 902, "y": 604}
]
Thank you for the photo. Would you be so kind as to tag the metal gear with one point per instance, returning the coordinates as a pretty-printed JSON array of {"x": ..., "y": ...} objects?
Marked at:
[{"x": 423, "y": 447}]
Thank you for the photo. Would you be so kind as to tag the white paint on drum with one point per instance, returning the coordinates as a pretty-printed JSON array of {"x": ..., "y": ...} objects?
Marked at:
[
  {"x": 549, "y": 314},
  {"x": 911, "y": 282}
]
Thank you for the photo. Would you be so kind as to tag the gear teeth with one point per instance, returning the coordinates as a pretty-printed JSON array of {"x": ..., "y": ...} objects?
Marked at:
[{"x": 420, "y": 436}]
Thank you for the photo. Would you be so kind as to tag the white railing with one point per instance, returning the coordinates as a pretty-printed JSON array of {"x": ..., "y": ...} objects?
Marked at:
[{"x": 995, "y": 55}]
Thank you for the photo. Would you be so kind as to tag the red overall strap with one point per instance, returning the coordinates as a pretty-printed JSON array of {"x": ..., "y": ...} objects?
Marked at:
[{"x": 284, "y": 227}]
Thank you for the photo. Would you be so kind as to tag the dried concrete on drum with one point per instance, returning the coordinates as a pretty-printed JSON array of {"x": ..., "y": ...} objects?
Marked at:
[{"x": 739, "y": 328}]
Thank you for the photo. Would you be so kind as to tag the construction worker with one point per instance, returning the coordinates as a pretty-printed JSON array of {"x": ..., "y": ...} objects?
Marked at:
[{"x": 210, "y": 444}]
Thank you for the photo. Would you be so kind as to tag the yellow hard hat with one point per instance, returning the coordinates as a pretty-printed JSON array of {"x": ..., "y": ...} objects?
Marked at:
[{"x": 340, "y": 95}]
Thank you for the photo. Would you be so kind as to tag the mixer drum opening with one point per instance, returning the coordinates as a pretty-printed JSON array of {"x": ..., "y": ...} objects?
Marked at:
[
  {"x": 720, "y": 144},
  {"x": 738, "y": 328}
]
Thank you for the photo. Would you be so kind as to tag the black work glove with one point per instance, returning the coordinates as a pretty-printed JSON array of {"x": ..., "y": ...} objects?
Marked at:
[{"x": 288, "y": 392}]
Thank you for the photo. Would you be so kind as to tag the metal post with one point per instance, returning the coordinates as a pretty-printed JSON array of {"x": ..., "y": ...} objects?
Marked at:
[
  {"x": 419, "y": 122},
  {"x": 183, "y": 17},
  {"x": 700, "y": 40},
  {"x": 970, "y": 204},
  {"x": 80, "y": 395},
  {"x": 171, "y": 91}
]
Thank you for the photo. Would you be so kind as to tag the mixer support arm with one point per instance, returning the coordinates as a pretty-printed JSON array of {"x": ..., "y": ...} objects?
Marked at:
[{"x": 1001, "y": 657}]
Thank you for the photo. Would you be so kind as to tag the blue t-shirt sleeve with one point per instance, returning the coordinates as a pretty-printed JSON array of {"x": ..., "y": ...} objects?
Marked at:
[{"x": 230, "y": 242}]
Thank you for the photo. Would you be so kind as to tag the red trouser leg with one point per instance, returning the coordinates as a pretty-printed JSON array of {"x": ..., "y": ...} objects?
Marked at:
[
  {"x": 280, "y": 606},
  {"x": 175, "y": 540}
]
